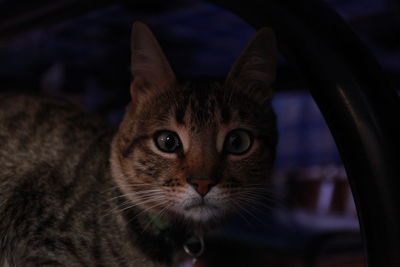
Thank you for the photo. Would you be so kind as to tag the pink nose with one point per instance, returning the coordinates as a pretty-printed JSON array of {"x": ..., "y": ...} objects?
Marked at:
[{"x": 202, "y": 186}]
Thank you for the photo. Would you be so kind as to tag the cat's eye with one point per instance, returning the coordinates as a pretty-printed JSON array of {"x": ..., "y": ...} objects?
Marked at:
[
  {"x": 167, "y": 141},
  {"x": 238, "y": 142}
]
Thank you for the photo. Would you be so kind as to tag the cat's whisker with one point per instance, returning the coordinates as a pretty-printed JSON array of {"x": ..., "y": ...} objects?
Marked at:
[
  {"x": 262, "y": 198},
  {"x": 260, "y": 184},
  {"x": 112, "y": 209},
  {"x": 109, "y": 189},
  {"x": 258, "y": 204},
  {"x": 145, "y": 198},
  {"x": 147, "y": 209},
  {"x": 138, "y": 193},
  {"x": 244, "y": 200},
  {"x": 246, "y": 210},
  {"x": 148, "y": 191},
  {"x": 129, "y": 204},
  {"x": 158, "y": 215},
  {"x": 238, "y": 209},
  {"x": 130, "y": 185},
  {"x": 258, "y": 189},
  {"x": 256, "y": 196},
  {"x": 143, "y": 202},
  {"x": 129, "y": 201},
  {"x": 251, "y": 202},
  {"x": 254, "y": 205},
  {"x": 259, "y": 199},
  {"x": 141, "y": 184}
]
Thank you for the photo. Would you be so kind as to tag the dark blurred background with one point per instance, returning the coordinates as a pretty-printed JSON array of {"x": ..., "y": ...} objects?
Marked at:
[{"x": 80, "y": 50}]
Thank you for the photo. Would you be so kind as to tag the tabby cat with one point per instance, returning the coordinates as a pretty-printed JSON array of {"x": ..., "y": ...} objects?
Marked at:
[{"x": 74, "y": 191}]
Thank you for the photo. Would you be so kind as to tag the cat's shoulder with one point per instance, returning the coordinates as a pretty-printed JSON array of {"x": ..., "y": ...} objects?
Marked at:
[
  {"x": 24, "y": 108},
  {"x": 18, "y": 102}
]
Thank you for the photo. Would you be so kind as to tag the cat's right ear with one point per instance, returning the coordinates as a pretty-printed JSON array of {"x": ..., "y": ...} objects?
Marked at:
[{"x": 150, "y": 68}]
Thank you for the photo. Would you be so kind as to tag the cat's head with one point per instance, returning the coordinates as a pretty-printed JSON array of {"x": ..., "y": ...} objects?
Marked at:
[{"x": 196, "y": 152}]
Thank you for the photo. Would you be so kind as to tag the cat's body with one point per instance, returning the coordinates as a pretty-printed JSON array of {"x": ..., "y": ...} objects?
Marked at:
[
  {"x": 74, "y": 191},
  {"x": 55, "y": 182}
]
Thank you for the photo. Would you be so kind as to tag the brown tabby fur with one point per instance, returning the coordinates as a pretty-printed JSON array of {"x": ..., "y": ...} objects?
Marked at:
[{"x": 69, "y": 198}]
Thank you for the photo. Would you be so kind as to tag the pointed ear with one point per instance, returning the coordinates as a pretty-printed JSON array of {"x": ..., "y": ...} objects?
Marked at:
[
  {"x": 254, "y": 70},
  {"x": 150, "y": 68}
]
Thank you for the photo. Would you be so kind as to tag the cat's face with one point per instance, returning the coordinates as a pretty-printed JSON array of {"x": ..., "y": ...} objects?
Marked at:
[{"x": 196, "y": 152}]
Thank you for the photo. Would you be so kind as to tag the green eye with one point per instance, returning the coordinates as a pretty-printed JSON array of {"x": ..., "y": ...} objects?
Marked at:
[
  {"x": 238, "y": 142},
  {"x": 167, "y": 141}
]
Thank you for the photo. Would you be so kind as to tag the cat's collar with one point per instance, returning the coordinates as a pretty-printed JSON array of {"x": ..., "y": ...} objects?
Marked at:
[
  {"x": 194, "y": 245},
  {"x": 161, "y": 223}
]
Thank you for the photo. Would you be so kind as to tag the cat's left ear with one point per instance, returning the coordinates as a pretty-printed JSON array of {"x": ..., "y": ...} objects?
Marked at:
[
  {"x": 254, "y": 70},
  {"x": 150, "y": 68}
]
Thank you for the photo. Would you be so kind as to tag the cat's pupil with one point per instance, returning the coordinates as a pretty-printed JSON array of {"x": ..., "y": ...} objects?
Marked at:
[
  {"x": 170, "y": 142},
  {"x": 236, "y": 142}
]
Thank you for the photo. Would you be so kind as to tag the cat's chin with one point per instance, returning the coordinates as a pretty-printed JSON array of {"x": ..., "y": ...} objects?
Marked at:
[
  {"x": 201, "y": 213},
  {"x": 203, "y": 218}
]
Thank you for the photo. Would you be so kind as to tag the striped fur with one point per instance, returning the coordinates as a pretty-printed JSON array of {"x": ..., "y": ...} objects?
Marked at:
[{"x": 74, "y": 191}]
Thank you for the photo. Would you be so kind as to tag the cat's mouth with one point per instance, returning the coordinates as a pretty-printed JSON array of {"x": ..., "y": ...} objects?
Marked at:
[
  {"x": 200, "y": 204},
  {"x": 203, "y": 213}
]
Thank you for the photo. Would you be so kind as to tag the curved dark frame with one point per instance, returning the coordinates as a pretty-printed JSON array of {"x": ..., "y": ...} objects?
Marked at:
[{"x": 360, "y": 107}]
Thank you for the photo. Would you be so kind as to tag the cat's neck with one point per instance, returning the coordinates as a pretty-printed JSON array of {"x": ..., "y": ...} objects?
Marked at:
[{"x": 158, "y": 238}]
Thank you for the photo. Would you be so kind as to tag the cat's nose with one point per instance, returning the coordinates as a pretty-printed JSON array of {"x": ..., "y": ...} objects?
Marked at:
[{"x": 202, "y": 186}]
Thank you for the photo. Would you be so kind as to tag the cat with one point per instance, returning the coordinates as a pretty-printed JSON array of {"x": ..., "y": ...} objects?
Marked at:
[{"x": 76, "y": 191}]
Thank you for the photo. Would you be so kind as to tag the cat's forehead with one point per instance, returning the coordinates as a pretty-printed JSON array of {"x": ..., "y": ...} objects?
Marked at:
[
  {"x": 201, "y": 106},
  {"x": 186, "y": 104}
]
